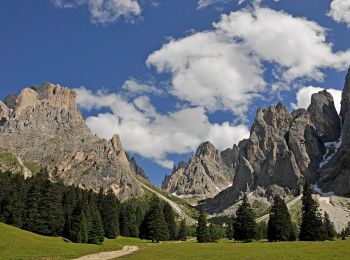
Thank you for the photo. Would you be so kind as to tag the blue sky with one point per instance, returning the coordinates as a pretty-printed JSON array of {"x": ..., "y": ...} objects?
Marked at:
[{"x": 167, "y": 75}]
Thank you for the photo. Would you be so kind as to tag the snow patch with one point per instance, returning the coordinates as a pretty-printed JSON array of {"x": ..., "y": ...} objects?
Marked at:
[{"x": 335, "y": 145}]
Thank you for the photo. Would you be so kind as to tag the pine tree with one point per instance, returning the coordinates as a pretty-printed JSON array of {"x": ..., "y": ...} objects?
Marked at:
[
  {"x": 78, "y": 232},
  {"x": 96, "y": 232},
  {"x": 244, "y": 226},
  {"x": 280, "y": 226},
  {"x": 169, "y": 216},
  {"x": 182, "y": 236},
  {"x": 311, "y": 224},
  {"x": 229, "y": 229},
  {"x": 202, "y": 228},
  {"x": 329, "y": 230},
  {"x": 154, "y": 226},
  {"x": 261, "y": 231},
  {"x": 109, "y": 208}
]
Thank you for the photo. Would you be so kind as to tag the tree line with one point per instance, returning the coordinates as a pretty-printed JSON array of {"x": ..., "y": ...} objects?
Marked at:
[
  {"x": 243, "y": 227},
  {"x": 51, "y": 208}
]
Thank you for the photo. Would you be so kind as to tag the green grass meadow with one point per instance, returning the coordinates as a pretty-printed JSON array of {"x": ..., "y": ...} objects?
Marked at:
[{"x": 19, "y": 244}]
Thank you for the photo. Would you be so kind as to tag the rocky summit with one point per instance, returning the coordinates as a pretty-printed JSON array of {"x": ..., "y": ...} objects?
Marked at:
[
  {"x": 205, "y": 175},
  {"x": 334, "y": 174},
  {"x": 43, "y": 128},
  {"x": 283, "y": 151}
]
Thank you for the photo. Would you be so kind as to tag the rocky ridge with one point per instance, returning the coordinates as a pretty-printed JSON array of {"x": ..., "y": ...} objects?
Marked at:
[
  {"x": 205, "y": 175},
  {"x": 43, "y": 128}
]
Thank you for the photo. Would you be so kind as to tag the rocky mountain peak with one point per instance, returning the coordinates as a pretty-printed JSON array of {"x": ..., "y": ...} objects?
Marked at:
[
  {"x": 345, "y": 110},
  {"x": 45, "y": 128},
  {"x": 204, "y": 176},
  {"x": 324, "y": 116},
  {"x": 207, "y": 149}
]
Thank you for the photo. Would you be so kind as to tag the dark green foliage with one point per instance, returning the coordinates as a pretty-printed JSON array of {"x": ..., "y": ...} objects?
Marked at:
[
  {"x": 311, "y": 225},
  {"x": 109, "y": 209},
  {"x": 261, "y": 231},
  {"x": 202, "y": 228},
  {"x": 154, "y": 226},
  {"x": 280, "y": 226},
  {"x": 215, "y": 233},
  {"x": 182, "y": 236},
  {"x": 244, "y": 226},
  {"x": 229, "y": 229},
  {"x": 44, "y": 207},
  {"x": 169, "y": 216},
  {"x": 96, "y": 232},
  {"x": 128, "y": 221},
  {"x": 329, "y": 230}
]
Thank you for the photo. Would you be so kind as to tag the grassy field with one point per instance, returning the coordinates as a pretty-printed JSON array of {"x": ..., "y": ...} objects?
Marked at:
[
  {"x": 260, "y": 250},
  {"x": 19, "y": 244}
]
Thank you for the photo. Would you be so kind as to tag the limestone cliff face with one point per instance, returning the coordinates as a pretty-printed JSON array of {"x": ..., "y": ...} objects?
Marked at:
[
  {"x": 334, "y": 175},
  {"x": 204, "y": 176},
  {"x": 42, "y": 127},
  {"x": 282, "y": 151},
  {"x": 324, "y": 116}
]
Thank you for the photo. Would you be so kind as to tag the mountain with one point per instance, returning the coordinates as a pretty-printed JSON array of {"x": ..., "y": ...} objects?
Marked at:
[
  {"x": 206, "y": 174},
  {"x": 286, "y": 149},
  {"x": 334, "y": 175},
  {"x": 43, "y": 128}
]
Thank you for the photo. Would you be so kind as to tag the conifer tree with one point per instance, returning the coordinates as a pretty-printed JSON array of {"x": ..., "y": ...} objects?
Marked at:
[
  {"x": 311, "y": 223},
  {"x": 229, "y": 229},
  {"x": 202, "y": 228},
  {"x": 154, "y": 226},
  {"x": 109, "y": 208},
  {"x": 329, "y": 230},
  {"x": 78, "y": 232},
  {"x": 280, "y": 226},
  {"x": 169, "y": 216},
  {"x": 244, "y": 226},
  {"x": 182, "y": 236},
  {"x": 96, "y": 232}
]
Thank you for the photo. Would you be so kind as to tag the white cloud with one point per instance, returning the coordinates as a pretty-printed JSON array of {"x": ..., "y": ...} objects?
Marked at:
[
  {"x": 340, "y": 11},
  {"x": 304, "y": 94},
  {"x": 206, "y": 3},
  {"x": 210, "y": 70},
  {"x": 153, "y": 135},
  {"x": 104, "y": 11},
  {"x": 296, "y": 45},
  {"x": 133, "y": 86}
]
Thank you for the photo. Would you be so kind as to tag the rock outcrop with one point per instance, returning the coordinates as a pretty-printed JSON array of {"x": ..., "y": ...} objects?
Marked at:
[
  {"x": 324, "y": 116},
  {"x": 282, "y": 151},
  {"x": 334, "y": 175},
  {"x": 204, "y": 176},
  {"x": 43, "y": 128}
]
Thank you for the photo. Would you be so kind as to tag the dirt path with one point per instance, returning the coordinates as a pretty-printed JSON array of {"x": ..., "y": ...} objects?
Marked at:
[{"x": 110, "y": 255}]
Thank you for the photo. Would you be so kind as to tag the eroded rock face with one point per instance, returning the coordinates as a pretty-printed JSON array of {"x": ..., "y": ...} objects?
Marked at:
[
  {"x": 45, "y": 129},
  {"x": 283, "y": 150},
  {"x": 204, "y": 176},
  {"x": 324, "y": 116},
  {"x": 334, "y": 176}
]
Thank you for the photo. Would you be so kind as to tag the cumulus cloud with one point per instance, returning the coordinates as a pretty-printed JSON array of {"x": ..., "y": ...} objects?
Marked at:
[
  {"x": 340, "y": 11},
  {"x": 221, "y": 69},
  {"x": 205, "y": 3},
  {"x": 133, "y": 86},
  {"x": 303, "y": 97},
  {"x": 104, "y": 11},
  {"x": 296, "y": 45},
  {"x": 210, "y": 70},
  {"x": 153, "y": 135}
]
